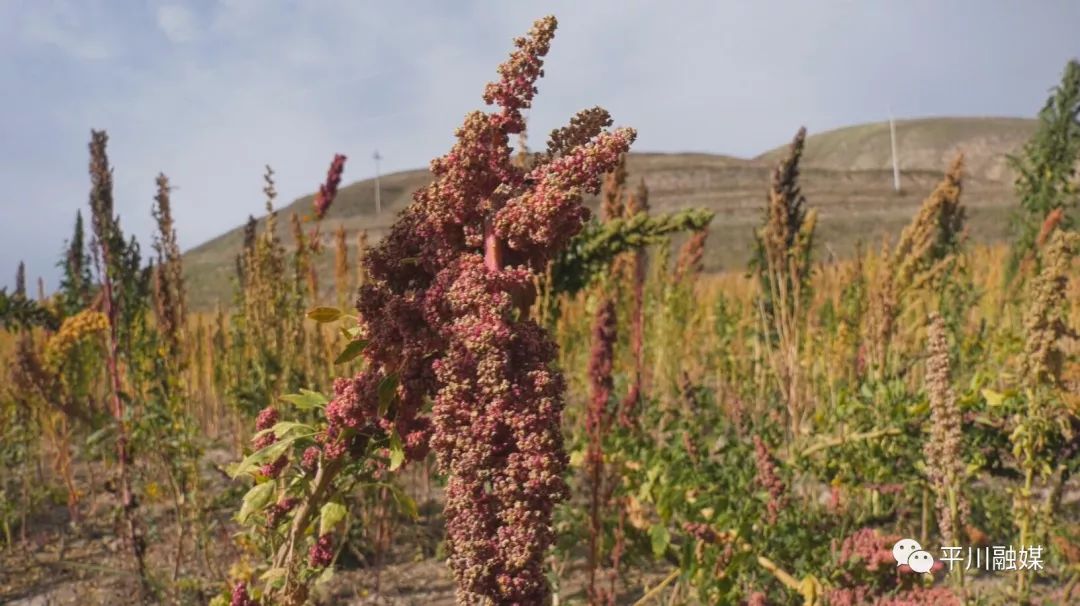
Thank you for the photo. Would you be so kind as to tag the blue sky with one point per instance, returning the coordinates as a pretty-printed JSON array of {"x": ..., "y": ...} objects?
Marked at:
[{"x": 209, "y": 91}]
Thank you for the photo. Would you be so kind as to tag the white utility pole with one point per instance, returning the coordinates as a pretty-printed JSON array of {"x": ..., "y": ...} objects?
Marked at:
[
  {"x": 895, "y": 159},
  {"x": 378, "y": 192}
]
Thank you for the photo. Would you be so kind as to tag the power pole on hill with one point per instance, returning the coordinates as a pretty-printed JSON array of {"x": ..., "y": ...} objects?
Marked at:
[
  {"x": 895, "y": 160},
  {"x": 378, "y": 192}
]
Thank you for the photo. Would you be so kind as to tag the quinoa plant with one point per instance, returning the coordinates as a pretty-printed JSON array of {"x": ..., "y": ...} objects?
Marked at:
[
  {"x": 267, "y": 342},
  {"x": 342, "y": 285},
  {"x": 1046, "y": 168},
  {"x": 167, "y": 418},
  {"x": 118, "y": 262},
  {"x": 598, "y": 422},
  {"x": 1043, "y": 424},
  {"x": 637, "y": 203},
  {"x": 944, "y": 446},
  {"x": 170, "y": 298},
  {"x": 443, "y": 316},
  {"x": 922, "y": 259},
  {"x": 782, "y": 262},
  {"x": 76, "y": 282}
]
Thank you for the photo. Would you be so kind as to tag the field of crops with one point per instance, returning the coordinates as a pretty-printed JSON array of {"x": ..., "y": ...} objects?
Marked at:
[{"x": 508, "y": 401}]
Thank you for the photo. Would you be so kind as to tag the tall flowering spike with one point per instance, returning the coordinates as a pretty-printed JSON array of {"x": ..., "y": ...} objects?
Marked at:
[
  {"x": 637, "y": 202},
  {"x": 691, "y": 256},
  {"x": 601, "y": 364},
  {"x": 788, "y": 233},
  {"x": 1046, "y": 320},
  {"x": 110, "y": 245},
  {"x": 328, "y": 190},
  {"x": 169, "y": 295},
  {"x": 101, "y": 201},
  {"x": 787, "y": 205},
  {"x": 442, "y": 310},
  {"x": 925, "y": 248},
  {"x": 944, "y": 446},
  {"x": 75, "y": 284},
  {"x": 597, "y": 422},
  {"x": 612, "y": 203},
  {"x": 933, "y": 233},
  {"x": 516, "y": 88},
  {"x": 782, "y": 261},
  {"x": 341, "y": 264},
  {"x": 1053, "y": 219},
  {"x": 20, "y": 280}
]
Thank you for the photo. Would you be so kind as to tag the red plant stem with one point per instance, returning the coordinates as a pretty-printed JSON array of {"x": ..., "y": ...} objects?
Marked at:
[
  {"x": 493, "y": 254},
  {"x": 596, "y": 470},
  {"x": 618, "y": 548},
  {"x": 127, "y": 501},
  {"x": 324, "y": 478},
  {"x": 597, "y": 423},
  {"x": 628, "y": 410},
  {"x": 494, "y": 249}
]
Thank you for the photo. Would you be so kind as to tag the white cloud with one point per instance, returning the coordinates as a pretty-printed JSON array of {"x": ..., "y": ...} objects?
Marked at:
[
  {"x": 62, "y": 26},
  {"x": 177, "y": 23}
]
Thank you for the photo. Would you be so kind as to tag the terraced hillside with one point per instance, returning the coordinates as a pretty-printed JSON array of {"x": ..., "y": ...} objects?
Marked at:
[{"x": 847, "y": 175}]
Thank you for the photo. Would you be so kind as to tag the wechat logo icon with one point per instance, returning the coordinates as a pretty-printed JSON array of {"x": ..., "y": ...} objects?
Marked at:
[{"x": 908, "y": 551}]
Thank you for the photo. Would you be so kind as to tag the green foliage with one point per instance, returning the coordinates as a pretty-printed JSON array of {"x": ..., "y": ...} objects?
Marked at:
[
  {"x": 324, "y": 315},
  {"x": 19, "y": 312},
  {"x": 320, "y": 498},
  {"x": 269, "y": 352},
  {"x": 591, "y": 252},
  {"x": 306, "y": 400},
  {"x": 1046, "y": 167},
  {"x": 76, "y": 282}
]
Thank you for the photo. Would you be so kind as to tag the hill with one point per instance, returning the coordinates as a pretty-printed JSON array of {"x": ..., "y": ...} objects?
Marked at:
[
  {"x": 847, "y": 175},
  {"x": 923, "y": 144}
]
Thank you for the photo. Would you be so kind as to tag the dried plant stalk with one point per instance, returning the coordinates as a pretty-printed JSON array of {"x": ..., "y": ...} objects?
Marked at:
[{"x": 783, "y": 264}]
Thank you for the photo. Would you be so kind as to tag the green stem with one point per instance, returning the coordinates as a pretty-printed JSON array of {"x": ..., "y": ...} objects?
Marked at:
[
  {"x": 652, "y": 593},
  {"x": 924, "y": 532},
  {"x": 954, "y": 522},
  {"x": 1025, "y": 527}
]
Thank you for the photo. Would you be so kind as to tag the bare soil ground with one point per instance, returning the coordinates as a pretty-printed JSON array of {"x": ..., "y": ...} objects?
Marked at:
[{"x": 55, "y": 563}]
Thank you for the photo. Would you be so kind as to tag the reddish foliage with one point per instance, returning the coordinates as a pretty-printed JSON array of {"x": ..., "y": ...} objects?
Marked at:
[
  {"x": 444, "y": 308},
  {"x": 240, "y": 596},
  {"x": 322, "y": 552},
  {"x": 769, "y": 479},
  {"x": 328, "y": 190},
  {"x": 267, "y": 418}
]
